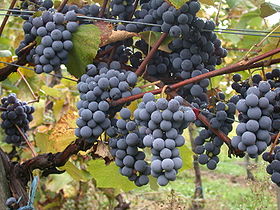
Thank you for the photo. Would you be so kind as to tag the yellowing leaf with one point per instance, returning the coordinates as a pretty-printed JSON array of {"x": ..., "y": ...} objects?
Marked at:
[
  {"x": 5, "y": 57},
  {"x": 38, "y": 115},
  {"x": 42, "y": 142},
  {"x": 57, "y": 109},
  {"x": 63, "y": 133},
  {"x": 208, "y": 2},
  {"x": 75, "y": 173},
  {"x": 51, "y": 91},
  {"x": 108, "y": 176},
  {"x": 86, "y": 41},
  {"x": 177, "y": 3},
  {"x": 118, "y": 36},
  {"x": 151, "y": 37},
  {"x": 187, "y": 157}
]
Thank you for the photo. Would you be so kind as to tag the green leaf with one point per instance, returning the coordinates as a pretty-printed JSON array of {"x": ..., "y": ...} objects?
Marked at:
[
  {"x": 42, "y": 142},
  {"x": 57, "y": 109},
  {"x": 232, "y": 3},
  {"x": 268, "y": 9},
  {"x": 86, "y": 41},
  {"x": 108, "y": 176},
  {"x": 51, "y": 91},
  {"x": 243, "y": 21},
  {"x": 151, "y": 37},
  {"x": 153, "y": 183},
  {"x": 177, "y": 3},
  {"x": 75, "y": 173},
  {"x": 187, "y": 157},
  {"x": 208, "y": 2}
]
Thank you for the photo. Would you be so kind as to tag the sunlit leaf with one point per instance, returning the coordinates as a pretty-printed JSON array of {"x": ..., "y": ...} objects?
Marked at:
[
  {"x": 108, "y": 176},
  {"x": 63, "y": 133},
  {"x": 51, "y": 91},
  {"x": 42, "y": 142},
  {"x": 208, "y": 2},
  {"x": 187, "y": 157},
  {"x": 57, "y": 109},
  {"x": 75, "y": 173}
]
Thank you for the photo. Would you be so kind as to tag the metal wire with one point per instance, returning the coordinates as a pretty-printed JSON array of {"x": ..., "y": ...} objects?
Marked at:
[
  {"x": 218, "y": 30},
  {"x": 32, "y": 69}
]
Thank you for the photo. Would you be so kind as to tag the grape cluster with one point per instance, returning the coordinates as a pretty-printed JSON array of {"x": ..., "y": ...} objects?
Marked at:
[
  {"x": 207, "y": 144},
  {"x": 274, "y": 164},
  {"x": 55, "y": 31},
  {"x": 32, "y": 5},
  {"x": 98, "y": 86},
  {"x": 124, "y": 147},
  {"x": 91, "y": 10},
  {"x": 17, "y": 113},
  {"x": 162, "y": 122},
  {"x": 255, "y": 116},
  {"x": 121, "y": 9},
  {"x": 123, "y": 53}
]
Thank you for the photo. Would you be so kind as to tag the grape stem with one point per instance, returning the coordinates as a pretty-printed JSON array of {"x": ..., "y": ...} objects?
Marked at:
[
  {"x": 135, "y": 5},
  {"x": 150, "y": 55},
  {"x": 274, "y": 143},
  {"x": 240, "y": 66},
  {"x": 34, "y": 153},
  {"x": 28, "y": 85},
  {"x": 103, "y": 8},
  {"x": 5, "y": 20},
  {"x": 62, "y": 5}
]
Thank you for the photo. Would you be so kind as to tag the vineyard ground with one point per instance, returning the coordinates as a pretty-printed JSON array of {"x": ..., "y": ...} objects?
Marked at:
[{"x": 226, "y": 188}]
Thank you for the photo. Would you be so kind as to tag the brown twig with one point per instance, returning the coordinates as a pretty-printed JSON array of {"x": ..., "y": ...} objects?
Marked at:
[
  {"x": 149, "y": 84},
  {"x": 218, "y": 13},
  {"x": 135, "y": 5},
  {"x": 49, "y": 161},
  {"x": 260, "y": 43},
  {"x": 274, "y": 143},
  {"x": 62, "y": 5},
  {"x": 7, "y": 70},
  {"x": 103, "y": 8},
  {"x": 28, "y": 85},
  {"x": 5, "y": 20},
  {"x": 150, "y": 55},
  {"x": 34, "y": 153}
]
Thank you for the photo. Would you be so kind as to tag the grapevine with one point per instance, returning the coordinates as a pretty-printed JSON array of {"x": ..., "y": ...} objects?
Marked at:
[{"x": 144, "y": 141}]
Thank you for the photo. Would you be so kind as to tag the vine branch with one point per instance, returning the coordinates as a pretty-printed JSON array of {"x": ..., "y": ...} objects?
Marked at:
[
  {"x": 240, "y": 66},
  {"x": 150, "y": 55},
  {"x": 103, "y": 8},
  {"x": 62, "y": 5},
  {"x": 5, "y": 20}
]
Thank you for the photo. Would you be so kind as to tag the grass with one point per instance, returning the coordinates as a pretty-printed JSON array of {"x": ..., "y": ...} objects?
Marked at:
[{"x": 225, "y": 188}]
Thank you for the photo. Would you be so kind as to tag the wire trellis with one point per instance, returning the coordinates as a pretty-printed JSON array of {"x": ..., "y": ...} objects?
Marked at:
[{"x": 243, "y": 32}]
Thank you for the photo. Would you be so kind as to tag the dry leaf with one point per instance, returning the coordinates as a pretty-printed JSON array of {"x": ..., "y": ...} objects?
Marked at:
[
  {"x": 102, "y": 150},
  {"x": 63, "y": 133},
  {"x": 106, "y": 30}
]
